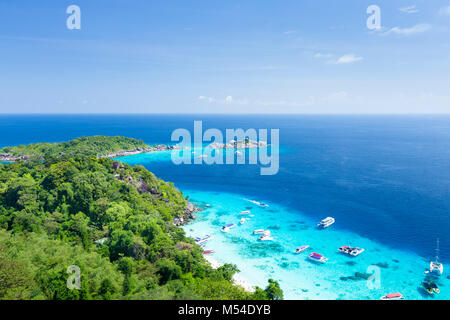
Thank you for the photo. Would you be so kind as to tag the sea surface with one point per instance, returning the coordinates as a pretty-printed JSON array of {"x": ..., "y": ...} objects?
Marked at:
[{"x": 385, "y": 179}]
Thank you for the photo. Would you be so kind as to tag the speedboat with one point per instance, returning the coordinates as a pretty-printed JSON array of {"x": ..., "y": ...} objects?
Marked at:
[
  {"x": 317, "y": 257},
  {"x": 265, "y": 237},
  {"x": 203, "y": 240},
  {"x": 351, "y": 250},
  {"x": 261, "y": 204},
  {"x": 259, "y": 231},
  {"x": 325, "y": 223},
  {"x": 393, "y": 296},
  {"x": 301, "y": 249},
  {"x": 244, "y": 212},
  {"x": 227, "y": 227},
  {"x": 430, "y": 287},
  {"x": 208, "y": 251}
]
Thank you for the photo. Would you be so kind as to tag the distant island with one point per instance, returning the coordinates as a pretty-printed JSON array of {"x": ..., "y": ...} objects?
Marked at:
[
  {"x": 100, "y": 146},
  {"x": 67, "y": 205}
]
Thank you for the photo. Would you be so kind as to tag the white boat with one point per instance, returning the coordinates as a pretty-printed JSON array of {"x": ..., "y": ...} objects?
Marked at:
[
  {"x": 226, "y": 228},
  {"x": 325, "y": 223},
  {"x": 243, "y": 220},
  {"x": 203, "y": 240},
  {"x": 351, "y": 250},
  {"x": 436, "y": 267},
  {"x": 317, "y": 257},
  {"x": 259, "y": 231},
  {"x": 261, "y": 204},
  {"x": 244, "y": 212},
  {"x": 265, "y": 237},
  {"x": 301, "y": 248},
  {"x": 393, "y": 296}
]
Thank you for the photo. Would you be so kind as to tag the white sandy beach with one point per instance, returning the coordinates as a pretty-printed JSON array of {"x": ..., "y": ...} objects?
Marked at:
[{"x": 237, "y": 279}]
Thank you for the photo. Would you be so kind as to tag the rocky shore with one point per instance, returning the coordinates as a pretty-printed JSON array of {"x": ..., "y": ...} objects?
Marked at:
[
  {"x": 123, "y": 153},
  {"x": 8, "y": 157},
  {"x": 187, "y": 215}
]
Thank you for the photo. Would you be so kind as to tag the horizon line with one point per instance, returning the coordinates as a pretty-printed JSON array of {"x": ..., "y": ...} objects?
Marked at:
[{"x": 221, "y": 114}]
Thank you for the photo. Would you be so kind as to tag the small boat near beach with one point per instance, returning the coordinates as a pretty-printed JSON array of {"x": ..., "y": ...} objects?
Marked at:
[
  {"x": 259, "y": 231},
  {"x": 243, "y": 220},
  {"x": 351, "y": 251},
  {"x": 393, "y": 296},
  {"x": 227, "y": 228},
  {"x": 325, "y": 223},
  {"x": 317, "y": 257},
  {"x": 208, "y": 251},
  {"x": 301, "y": 248},
  {"x": 203, "y": 240},
  {"x": 265, "y": 237}
]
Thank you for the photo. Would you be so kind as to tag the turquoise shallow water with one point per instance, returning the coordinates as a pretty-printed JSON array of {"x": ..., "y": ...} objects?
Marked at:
[
  {"x": 399, "y": 271},
  {"x": 342, "y": 277}
]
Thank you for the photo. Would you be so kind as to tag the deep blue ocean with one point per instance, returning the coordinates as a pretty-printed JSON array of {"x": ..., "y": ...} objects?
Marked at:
[{"x": 385, "y": 178}]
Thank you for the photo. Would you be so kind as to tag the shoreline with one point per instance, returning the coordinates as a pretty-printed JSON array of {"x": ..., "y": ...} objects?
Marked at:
[
  {"x": 156, "y": 148},
  {"x": 237, "y": 278}
]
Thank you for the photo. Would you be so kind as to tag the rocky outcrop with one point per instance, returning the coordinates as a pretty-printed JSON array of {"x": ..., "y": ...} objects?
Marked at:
[
  {"x": 8, "y": 157},
  {"x": 187, "y": 215}
]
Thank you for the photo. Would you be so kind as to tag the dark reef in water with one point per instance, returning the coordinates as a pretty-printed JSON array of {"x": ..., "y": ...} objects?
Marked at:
[
  {"x": 383, "y": 265},
  {"x": 357, "y": 276},
  {"x": 259, "y": 249}
]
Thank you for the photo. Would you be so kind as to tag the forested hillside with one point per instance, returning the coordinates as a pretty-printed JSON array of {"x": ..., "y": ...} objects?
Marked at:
[
  {"x": 95, "y": 145},
  {"x": 114, "y": 222}
]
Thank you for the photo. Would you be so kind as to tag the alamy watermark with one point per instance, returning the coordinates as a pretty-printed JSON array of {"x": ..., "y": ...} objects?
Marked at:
[
  {"x": 374, "y": 280},
  {"x": 73, "y": 22},
  {"x": 374, "y": 20},
  {"x": 74, "y": 280},
  {"x": 238, "y": 145}
]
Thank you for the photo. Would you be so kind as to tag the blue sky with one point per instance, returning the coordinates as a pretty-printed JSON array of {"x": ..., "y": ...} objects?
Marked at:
[{"x": 252, "y": 56}]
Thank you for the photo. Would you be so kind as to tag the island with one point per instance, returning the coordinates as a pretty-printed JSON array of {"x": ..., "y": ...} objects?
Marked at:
[{"x": 75, "y": 224}]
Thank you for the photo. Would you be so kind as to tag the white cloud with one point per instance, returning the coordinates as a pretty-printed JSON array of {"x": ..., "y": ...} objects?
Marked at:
[
  {"x": 409, "y": 9},
  {"x": 348, "y": 58},
  {"x": 419, "y": 28},
  {"x": 445, "y": 11},
  {"x": 209, "y": 99},
  {"x": 319, "y": 55}
]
